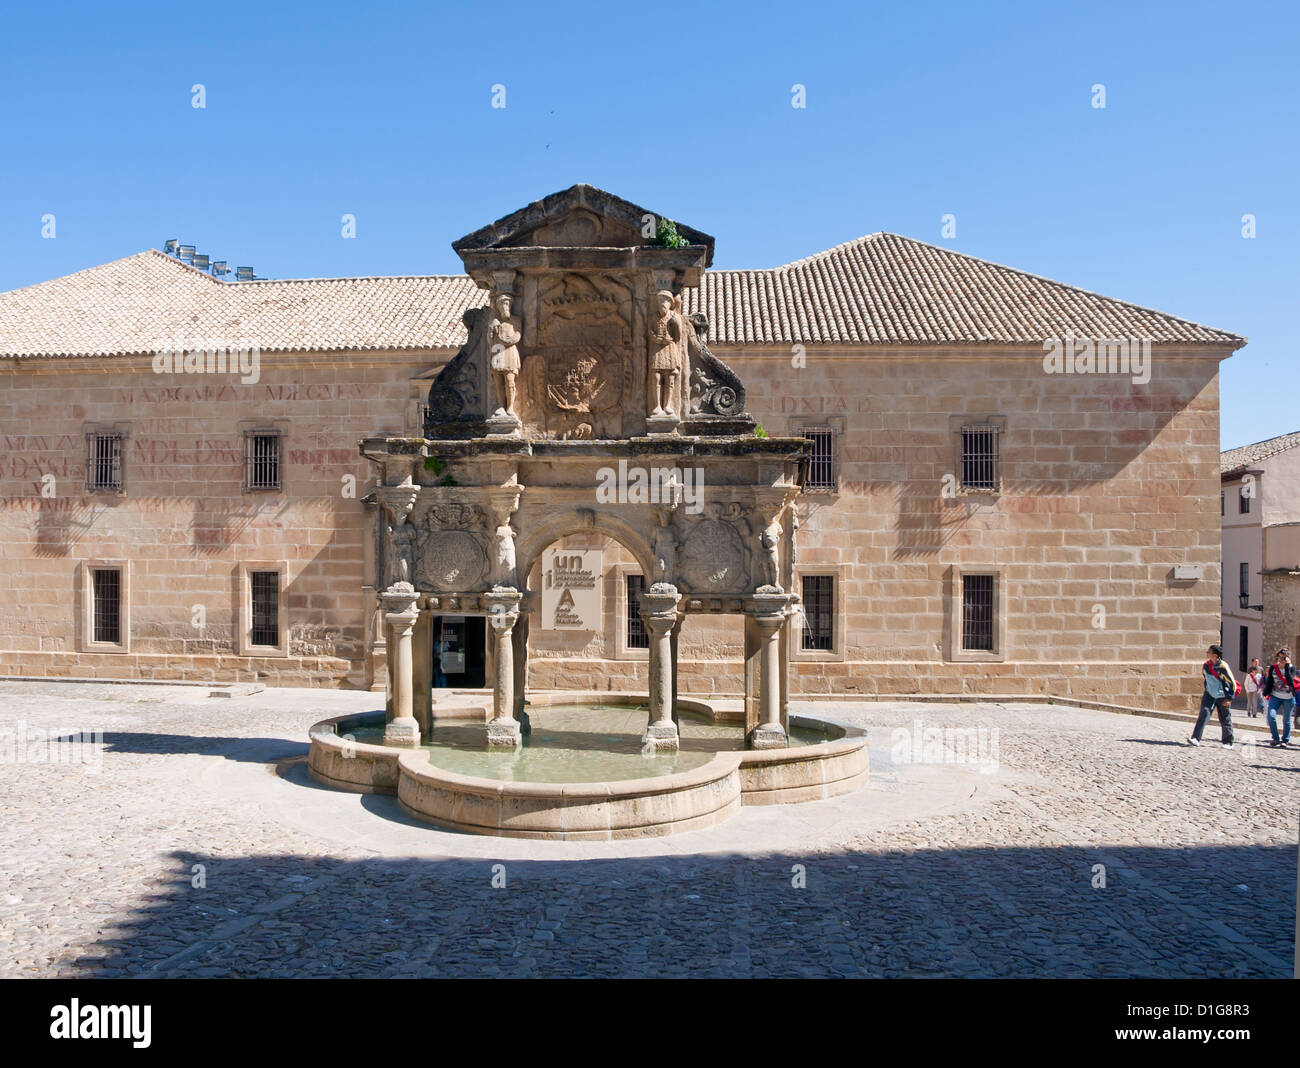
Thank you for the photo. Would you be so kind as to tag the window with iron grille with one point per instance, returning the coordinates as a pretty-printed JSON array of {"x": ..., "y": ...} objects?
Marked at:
[
  {"x": 265, "y": 590},
  {"x": 979, "y": 456},
  {"x": 1244, "y": 572},
  {"x": 977, "y": 612},
  {"x": 637, "y": 635},
  {"x": 1243, "y": 502},
  {"x": 106, "y": 590},
  {"x": 104, "y": 461},
  {"x": 261, "y": 460},
  {"x": 818, "y": 612},
  {"x": 823, "y": 471}
]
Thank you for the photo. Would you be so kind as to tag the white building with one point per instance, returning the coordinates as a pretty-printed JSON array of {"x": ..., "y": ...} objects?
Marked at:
[{"x": 1260, "y": 493}]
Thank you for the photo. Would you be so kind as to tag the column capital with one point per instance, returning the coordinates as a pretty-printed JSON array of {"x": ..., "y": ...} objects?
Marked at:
[
  {"x": 502, "y": 606},
  {"x": 398, "y": 500},
  {"x": 659, "y": 607},
  {"x": 399, "y": 600}
]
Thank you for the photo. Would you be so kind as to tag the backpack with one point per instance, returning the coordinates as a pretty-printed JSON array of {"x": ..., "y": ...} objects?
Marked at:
[{"x": 1224, "y": 678}]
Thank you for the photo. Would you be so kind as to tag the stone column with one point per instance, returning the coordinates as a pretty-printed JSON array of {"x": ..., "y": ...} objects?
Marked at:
[
  {"x": 675, "y": 634},
  {"x": 400, "y": 614},
  {"x": 422, "y": 651},
  {"x": 769, "y": 618},
  {"x": 659, "y": 610},
  {"x": 503, "y": 614}
]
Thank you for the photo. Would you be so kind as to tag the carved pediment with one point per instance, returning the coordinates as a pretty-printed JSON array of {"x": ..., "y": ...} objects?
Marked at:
[{"x": 581, "y": 216}]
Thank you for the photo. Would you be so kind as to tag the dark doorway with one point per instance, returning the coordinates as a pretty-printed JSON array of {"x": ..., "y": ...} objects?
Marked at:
[{"x": 459, "y": 644}]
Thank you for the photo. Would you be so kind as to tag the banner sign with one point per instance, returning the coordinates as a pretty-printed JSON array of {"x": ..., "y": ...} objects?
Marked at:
[{"x": 571, "y": 589}]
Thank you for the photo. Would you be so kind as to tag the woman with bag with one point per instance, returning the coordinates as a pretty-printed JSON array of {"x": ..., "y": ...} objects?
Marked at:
[{"x": 1220, "y": 689}]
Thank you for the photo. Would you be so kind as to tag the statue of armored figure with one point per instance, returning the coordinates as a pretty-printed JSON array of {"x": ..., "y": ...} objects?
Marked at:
[
  {"x": 504, "y": 334},
  {"x": 400, "y": 562},
  {"x": 666, "y": 335},
  {"x": 770, "y": 541}
]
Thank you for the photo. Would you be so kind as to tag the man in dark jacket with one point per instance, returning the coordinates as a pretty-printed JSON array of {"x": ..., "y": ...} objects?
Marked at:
[
  {"x": 1279, "y": 688},
  {"x": 1220, "y": 689}
]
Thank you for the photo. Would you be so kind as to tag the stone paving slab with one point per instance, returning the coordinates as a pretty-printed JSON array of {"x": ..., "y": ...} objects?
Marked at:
[{"x": 199, "y": 847}]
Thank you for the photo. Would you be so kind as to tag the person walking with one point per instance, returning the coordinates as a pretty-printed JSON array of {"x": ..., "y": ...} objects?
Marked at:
[
  {"x": 1254, "y": 680},
  {"x": 1280, "y": 689},
  {"x": 1220, "y": 689}
]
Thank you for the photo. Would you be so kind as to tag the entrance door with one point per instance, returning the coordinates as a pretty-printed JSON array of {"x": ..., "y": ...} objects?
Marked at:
[{"x": 459, "y": 644}]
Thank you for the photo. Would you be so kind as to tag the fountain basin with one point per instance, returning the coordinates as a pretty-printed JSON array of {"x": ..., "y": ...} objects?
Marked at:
[{"x": 620, "y": 806}]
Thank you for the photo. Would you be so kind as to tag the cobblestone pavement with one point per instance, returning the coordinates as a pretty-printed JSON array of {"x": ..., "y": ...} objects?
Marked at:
[{"x": 199, "y": 847}]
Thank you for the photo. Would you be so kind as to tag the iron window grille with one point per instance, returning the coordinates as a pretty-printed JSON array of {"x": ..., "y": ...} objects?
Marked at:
[
  {"x": 104, "y": 461},
  {"x": 823, "y": 469},
  {"x": 818, "y": 612},
  {"x": 980, "y": 464},
  {"x": 638, "y": 637},
  {"x": 1244, "y": 572},
  {"x": 265, "y": 590},
  {"x": 1243, "y": 647},
  {"x": 977, "y": 613},
  {"x": 262, "y": 460},
  {"x": 107, "y": 594}
]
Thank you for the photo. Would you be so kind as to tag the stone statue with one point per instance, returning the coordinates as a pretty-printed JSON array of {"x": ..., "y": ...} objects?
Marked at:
[
  {"x": 665, "y": 548},
  {"x": 401, "y": 554},
  {"x": 666, "y": 351},
  {"x": 503, "y": 348},
  {"x": 770, "y": 540}
]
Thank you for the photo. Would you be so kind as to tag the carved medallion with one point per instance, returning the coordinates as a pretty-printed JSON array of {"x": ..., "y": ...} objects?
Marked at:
[
  {"x": 451, "y": 561},
  {"x": 713, "y": 558}
]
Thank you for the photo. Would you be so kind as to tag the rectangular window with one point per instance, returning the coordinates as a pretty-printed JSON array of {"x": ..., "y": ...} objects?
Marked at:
[
  {"x": 637, "y": 635},
  {"x": 977, "y": 612},
  {"x": 106, "y": 589},
  {"x": 1243, "y": 644},
  {"x": 979, "y": 456},
  {"x": 262, "y": 460},
  {"x": 264, "y": 587},
  {"x": 1222, "y": 498},
  {"x": 1243, "y": 502},
  {"x": 104, "y": 461},
  {"x": 823, "y": 471},
  {"x": 1245, "y": 580},
  {"x": 818, "y": 612}
]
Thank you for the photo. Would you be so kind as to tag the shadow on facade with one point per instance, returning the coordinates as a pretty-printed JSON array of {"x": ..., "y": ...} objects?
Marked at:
[{"x": 960, "y": 912}]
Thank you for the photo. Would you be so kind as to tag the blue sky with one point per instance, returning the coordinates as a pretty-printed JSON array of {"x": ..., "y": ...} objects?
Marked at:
[{"x": 383, "y": 110}]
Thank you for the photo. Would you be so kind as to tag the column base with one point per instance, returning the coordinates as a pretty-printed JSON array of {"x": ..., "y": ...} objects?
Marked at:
[
  {"x": 503, "y": 424},
  {"x": 665, "y": 423},
  {"x": 404, "y": 730},
  {"x": 502, "y": 734},
  {"x": 768, "y": 736},
  {"x": 661, "y": 737}
]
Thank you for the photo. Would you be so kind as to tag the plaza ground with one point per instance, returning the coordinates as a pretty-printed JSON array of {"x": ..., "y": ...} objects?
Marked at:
[{"x": 931, "y": 870}]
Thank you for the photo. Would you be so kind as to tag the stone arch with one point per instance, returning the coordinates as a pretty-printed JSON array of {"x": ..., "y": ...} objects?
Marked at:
[{"x": 535, "y": 537}]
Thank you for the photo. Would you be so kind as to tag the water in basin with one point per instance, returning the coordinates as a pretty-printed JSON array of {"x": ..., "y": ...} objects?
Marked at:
[{"x": 581, "y": 743}]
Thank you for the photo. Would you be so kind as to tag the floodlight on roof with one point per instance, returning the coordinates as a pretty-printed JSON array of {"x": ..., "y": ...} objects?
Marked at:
[
  {"x": 186, "y": 253},
  {"x": 169, "y": 246},
  {"x": 201, "y": 261},
  {"x": 243, "y": 274},
  {"x": 219, "y": 268}
]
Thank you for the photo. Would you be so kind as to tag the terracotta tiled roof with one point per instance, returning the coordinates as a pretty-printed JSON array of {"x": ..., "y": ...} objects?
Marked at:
[
  {"x": 879, "y": 289},
  {"x": 1234, "y": 461},
  {"x": 884, "y": 288},
  {"x": 150, "y": 300}
]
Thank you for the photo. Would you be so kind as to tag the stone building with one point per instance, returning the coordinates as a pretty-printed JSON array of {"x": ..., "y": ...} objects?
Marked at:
[
  {"x": 1006, "y": 485},
  {"x": 1260, "y": 509}
]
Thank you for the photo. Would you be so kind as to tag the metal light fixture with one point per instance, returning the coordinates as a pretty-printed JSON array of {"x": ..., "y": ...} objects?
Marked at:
[
  {"x": 1245, "y": 603},
  {"x": 201, "y": 262},
  {"x": 243, "y": 274},
  {"x": 169, "y": 246},
  {"x": 186, "y": 253},
  {"x": 219, "y": 268}
]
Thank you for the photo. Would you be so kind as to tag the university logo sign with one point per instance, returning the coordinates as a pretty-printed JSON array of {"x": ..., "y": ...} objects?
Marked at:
[{"x": 571, "y": 589}]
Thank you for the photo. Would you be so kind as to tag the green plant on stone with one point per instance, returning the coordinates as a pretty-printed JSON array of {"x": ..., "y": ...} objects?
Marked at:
[
  {"x": 759, "y": 432},
  {"x": 667, "y": 235}
]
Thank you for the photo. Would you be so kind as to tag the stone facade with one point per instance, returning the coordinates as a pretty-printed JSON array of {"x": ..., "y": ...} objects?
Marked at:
[{"x": 1104, "y": 488}]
